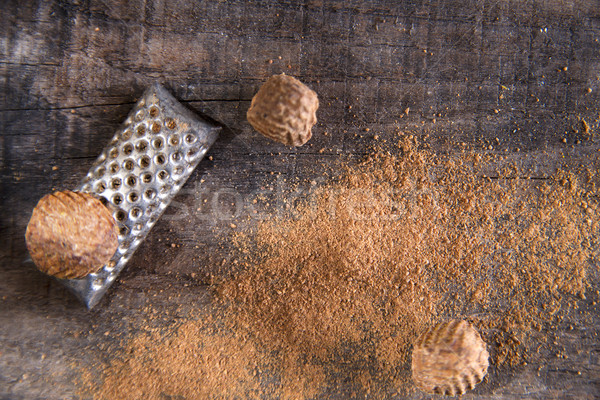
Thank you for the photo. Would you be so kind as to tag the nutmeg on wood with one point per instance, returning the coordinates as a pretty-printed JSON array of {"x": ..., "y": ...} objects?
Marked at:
[
  {"x": 284, "y": 109},
  {"x": 71, "y": 234},
  {"x": 449, "y": 359}
]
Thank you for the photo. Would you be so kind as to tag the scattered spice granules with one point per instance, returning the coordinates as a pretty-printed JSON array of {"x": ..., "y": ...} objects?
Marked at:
[
  {"x": 332, "y": 295},
  {"x": 195, "y": 361}
]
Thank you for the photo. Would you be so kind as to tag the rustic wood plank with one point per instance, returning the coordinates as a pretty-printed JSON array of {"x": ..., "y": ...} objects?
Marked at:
[{"x": 469, "y": 71}]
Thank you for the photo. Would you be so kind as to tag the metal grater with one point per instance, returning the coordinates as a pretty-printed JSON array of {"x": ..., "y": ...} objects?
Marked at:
[{"x": 138, "y": 174}]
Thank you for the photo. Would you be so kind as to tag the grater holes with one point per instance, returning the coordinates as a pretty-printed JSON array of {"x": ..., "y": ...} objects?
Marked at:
[
  {"x": 113, "y": 153},
  {"x": 104, "y": 201},
  {"x": 178, "y": 170},
  {"x": 116, "y": 183},
  {"x": 149, "y": 194},
  {"x": 117, "y": 199},
  {"x": 129, "y": 164},
  {"x": 165, "y": 189},
  {"x": 176, "y": 157},
  {"x": 170, "y": 123},
  {"x": 114, "y": 168},
  {"x": 140, "y": 115},
  {"x": 110, "y": 266},
  {"x": 124, "y": 246},
  {"x": 153, "y": 112},
  {"x": 100, "y": 171},
  {"x": 155, "y": 127},
  {"x": 144, "y": 162},
  {"x": 162, "y": 175},
  {"x": 128, "y": 149},
  {"x": 133, "y": 197},
  {"x": 131, "y": 180},
  {"x": 189, "y": 138},
  {"x": 157, "y": 143},
  {"x": 141, "y": 146},
  {"x": 100, "y": 187},
  {"x": 97, "y": 283},
  {"x": 120, "y": 215},
  {"x": 192, "y": 153},
  {"x": 140, "y": 149},
  {"x": 174, "y": 140},
  {"x": 135, "y": 213},
  {"x": 160, "y": 159},
  {"x": 150, "y": 208}
]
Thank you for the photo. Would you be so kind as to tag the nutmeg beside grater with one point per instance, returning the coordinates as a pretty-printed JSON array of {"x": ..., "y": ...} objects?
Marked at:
[
  {"x": 449, "y": 359},
  {"x": 71, "y": 234},
  {"x": 284, "y": 109}
]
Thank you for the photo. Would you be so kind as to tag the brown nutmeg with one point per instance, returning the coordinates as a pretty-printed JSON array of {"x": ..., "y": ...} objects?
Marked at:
[
  {"x": 71, "y": 234},
  {"x": 449, "y": 359},
  {"x": 284, "y": 109}
]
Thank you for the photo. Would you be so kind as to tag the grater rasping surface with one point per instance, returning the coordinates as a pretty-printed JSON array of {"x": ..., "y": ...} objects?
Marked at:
[{"x": 138, "y": 174}]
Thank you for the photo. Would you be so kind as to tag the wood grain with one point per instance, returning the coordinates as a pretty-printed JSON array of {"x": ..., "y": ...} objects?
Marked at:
[{"x": 502, "y": 76}]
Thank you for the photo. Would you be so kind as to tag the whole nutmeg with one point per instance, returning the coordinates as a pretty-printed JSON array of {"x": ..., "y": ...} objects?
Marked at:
[
  {"x": 71, "y": 234},
  {"x": 449, "y": 359},
  {"x": 284, "y": 109}
]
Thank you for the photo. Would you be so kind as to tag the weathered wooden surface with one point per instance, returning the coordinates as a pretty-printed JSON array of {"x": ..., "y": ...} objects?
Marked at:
[{"x": 512, "y": 75}]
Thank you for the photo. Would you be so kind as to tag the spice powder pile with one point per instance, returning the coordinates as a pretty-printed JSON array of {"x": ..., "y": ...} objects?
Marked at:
[{"x": 331, "y": 297}]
